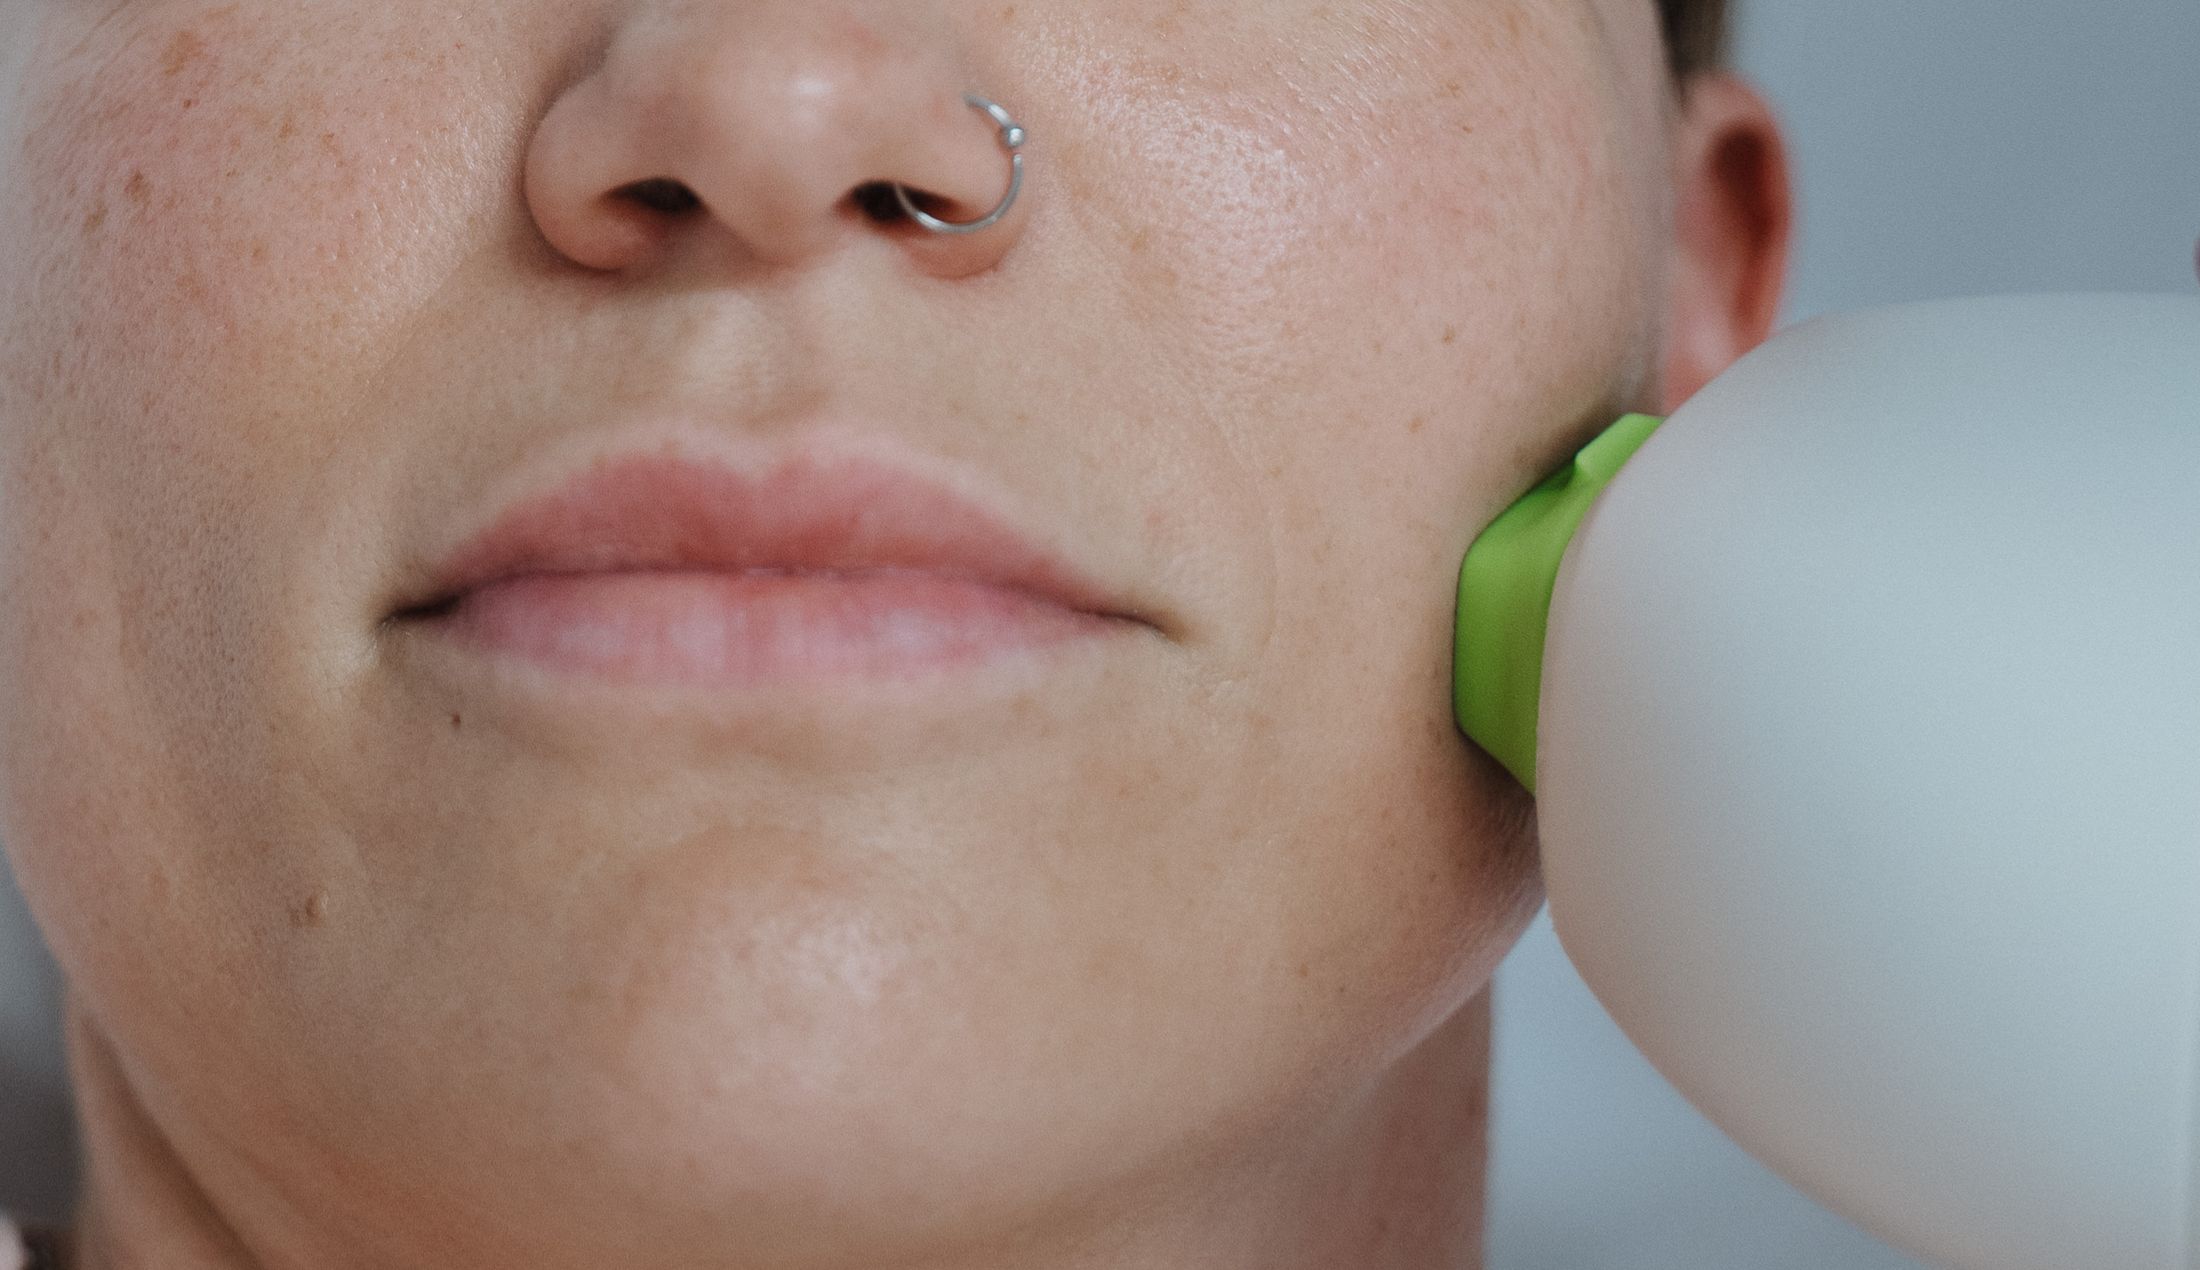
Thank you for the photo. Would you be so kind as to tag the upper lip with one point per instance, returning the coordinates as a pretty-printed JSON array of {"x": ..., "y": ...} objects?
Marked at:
[{"x": 661, "y": 510}]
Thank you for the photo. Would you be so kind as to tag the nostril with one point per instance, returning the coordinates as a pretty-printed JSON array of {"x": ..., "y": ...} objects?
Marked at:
[
  {"x": 660, "y": 194},
  {"x": 877, "y": 200}
]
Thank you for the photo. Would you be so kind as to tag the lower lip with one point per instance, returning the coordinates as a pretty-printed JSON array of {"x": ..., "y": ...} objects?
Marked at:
[{"x": 715, "y": 627}]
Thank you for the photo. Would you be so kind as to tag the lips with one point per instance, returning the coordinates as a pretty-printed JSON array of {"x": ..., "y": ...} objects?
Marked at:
[
  {"x": 654, "y": 566},
  {"x": 661, "y": 511}
]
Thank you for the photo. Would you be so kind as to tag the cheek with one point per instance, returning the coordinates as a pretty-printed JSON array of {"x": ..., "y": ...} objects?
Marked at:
[
  {"x": 1476, "y": 293},
  {"x": 1481, "y": 290},
  {"x": 1417, "y": 235},
  {"x": 221, "y": 231},
  {"x": 207, "y": 206},
  {"x": 1409, "y": 279},
  {"x": 212, "y": 237}
]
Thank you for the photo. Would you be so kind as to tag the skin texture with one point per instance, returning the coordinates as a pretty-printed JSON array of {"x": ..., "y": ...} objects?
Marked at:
[{"x": 1170, "y": 949}]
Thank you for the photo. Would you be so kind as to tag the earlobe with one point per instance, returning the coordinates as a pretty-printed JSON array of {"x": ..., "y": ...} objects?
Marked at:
[{"x": 1732, "y": 226}]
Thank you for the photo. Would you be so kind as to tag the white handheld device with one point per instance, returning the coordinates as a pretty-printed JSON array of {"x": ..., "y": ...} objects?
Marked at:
[{"x": 1862, "y": 704}]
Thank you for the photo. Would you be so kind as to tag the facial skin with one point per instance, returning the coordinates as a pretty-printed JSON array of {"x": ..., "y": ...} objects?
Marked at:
[{"x": 1169, "y": 950}]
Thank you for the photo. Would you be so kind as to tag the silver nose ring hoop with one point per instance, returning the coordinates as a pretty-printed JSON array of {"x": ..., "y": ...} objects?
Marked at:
[{"x": 1012, "y": 137}]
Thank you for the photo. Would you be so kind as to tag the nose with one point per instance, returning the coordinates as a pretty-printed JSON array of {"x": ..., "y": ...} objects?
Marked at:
[{"x": 777, "y": 123}]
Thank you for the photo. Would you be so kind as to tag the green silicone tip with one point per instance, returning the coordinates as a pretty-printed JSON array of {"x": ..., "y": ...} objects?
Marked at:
[{"x": 1505, "y": 590}]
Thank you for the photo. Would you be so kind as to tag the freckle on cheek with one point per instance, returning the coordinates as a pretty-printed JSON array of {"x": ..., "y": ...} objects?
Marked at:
[
  {"x": 138, "y": 189},
  {"x": 312, "y": 911},
  {"x": 183, "y": 50}
]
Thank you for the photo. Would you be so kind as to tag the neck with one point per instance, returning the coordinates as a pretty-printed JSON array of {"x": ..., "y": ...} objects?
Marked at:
[{"x": 1392, "y": 1180}]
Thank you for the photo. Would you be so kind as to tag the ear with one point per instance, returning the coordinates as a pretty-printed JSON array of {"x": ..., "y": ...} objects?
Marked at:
[{"x": 1733, "y": 217}]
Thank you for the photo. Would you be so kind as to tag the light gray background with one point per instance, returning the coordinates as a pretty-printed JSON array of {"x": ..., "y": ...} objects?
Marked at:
[{"x": 1952, "y": 148}]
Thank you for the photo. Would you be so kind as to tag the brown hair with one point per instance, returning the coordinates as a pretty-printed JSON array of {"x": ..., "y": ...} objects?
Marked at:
[{"x": 1695, "y": 34}]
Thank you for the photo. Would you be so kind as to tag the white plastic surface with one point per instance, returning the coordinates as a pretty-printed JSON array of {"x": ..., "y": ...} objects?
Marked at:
[{"x": 1870, "y": 769}]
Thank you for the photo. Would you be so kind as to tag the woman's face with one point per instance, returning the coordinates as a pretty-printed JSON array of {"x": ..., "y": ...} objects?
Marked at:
[{"x": 1297, "y": 297}]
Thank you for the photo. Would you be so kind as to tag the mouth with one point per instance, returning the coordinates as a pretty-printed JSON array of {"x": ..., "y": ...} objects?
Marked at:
[{"x": 658, "y": 567}]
